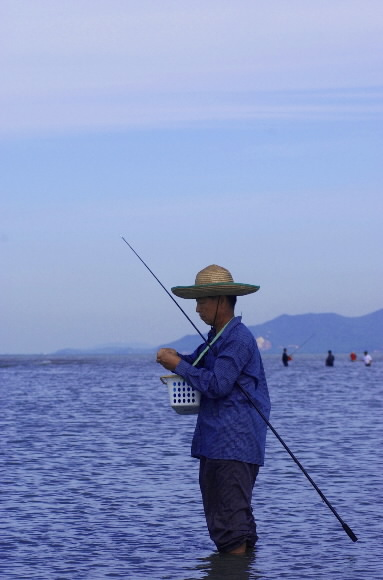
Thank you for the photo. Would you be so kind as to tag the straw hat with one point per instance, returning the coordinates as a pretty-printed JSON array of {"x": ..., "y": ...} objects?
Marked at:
[{"x": 214, "y": 281}]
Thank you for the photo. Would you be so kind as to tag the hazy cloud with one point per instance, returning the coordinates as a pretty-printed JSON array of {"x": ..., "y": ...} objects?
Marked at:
[{"x": 77, "y": 65}]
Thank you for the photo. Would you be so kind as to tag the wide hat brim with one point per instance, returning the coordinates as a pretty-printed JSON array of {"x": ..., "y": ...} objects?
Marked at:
[{"x": 215, "y": 289}]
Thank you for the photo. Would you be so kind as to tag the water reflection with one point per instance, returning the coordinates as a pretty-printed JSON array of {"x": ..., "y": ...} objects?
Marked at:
[{"x": 228, "y": 567}]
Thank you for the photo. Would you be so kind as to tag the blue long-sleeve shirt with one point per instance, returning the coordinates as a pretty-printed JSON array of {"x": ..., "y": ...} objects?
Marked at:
[{"x": 228, "y": 426}]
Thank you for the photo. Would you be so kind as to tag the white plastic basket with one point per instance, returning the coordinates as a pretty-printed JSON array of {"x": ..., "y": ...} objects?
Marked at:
[{"x": 183, "y": 397}]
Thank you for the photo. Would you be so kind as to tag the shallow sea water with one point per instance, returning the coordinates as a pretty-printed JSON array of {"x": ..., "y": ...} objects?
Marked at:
[{"x": 97, "y": 481}]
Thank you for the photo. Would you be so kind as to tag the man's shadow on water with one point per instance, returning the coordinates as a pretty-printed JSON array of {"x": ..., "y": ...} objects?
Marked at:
[{"x": 228, "y": 567}]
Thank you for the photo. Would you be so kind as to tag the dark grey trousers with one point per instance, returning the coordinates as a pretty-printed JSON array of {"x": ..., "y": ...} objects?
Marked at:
[{"x": 227, "y": 488}]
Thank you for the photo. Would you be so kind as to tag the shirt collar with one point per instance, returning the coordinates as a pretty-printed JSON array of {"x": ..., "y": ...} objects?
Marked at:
[{"x": 233, "y": 322}]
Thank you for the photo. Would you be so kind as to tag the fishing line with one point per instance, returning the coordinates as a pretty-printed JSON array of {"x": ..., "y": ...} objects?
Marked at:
[
  {"x": 346, "y": 528},
  {"x": 303, "y": 343}
]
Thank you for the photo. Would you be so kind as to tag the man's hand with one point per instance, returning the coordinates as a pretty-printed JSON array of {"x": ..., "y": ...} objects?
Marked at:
[{"x": 168, "y": 358}]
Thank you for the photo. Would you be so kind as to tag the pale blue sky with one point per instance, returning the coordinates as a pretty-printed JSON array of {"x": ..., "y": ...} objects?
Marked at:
[{"x": 247, "y": 134}]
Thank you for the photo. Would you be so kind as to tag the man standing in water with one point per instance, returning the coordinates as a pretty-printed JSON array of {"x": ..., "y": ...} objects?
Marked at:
[
  {"x": 367, "y": 358},
  {"x": 285, "y": 358},
  {"x": 330, "y": 359},
  {"x": 230, "y": 435}
]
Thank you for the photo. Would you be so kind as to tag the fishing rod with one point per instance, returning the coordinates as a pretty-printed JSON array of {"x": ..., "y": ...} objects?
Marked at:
[
  {"x": 303, "y": 343},
  {"x": 346, "y": 528},
  {"x": 166, "y": 290}
]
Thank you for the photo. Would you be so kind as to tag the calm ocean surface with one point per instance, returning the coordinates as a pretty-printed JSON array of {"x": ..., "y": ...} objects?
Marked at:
[{"x": 97, "y": 480}]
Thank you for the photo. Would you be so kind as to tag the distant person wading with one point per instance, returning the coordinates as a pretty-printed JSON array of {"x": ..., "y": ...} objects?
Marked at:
[
  {"x": 285, "y": 358},
  {"x": 367, "y": 359}
]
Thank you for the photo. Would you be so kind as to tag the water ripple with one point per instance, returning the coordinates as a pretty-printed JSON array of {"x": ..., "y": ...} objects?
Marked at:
[{"x": 97, "y": 482}]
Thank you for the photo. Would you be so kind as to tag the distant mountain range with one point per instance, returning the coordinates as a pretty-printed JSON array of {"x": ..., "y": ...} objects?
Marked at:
[
  {"x": 310, "y": 333},
  {"x": 114, "y": 348},
  {"x": 317, "y": 333}
]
